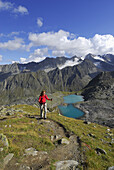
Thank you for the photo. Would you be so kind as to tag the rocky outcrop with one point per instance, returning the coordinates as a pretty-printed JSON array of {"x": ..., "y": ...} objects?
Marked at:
[
  {"x": 99, "y": 96},
  {"x": 101, "y": 87}
]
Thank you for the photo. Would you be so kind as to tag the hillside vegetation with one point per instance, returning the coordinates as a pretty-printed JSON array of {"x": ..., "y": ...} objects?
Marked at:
[{"x": 23, "y": 129}]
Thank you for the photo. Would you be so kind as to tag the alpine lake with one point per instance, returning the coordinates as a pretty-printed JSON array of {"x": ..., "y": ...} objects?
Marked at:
[{"x": 68, "y": 110}]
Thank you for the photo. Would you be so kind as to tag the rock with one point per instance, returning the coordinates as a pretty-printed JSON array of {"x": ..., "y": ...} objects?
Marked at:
[
  {"x": 31, "y": 151},
  {"x": 91, "y": 135},
  {"x": 1, "y": 149},
  {"x": 111, "y": 168},
  {"x": 8, "y": 158},
  {"x": 112, "y": 141},
  {"x": 9, "y": 113},
  {"x": 4, "y": 140},
  {"x": 56, "y": 137},
  {"x": 108, "y": 130},
  {"x": 102, "y": 151},
  {"x": 64, "y": 141},
  {"x": 66, "y": 165},
  {"x": 24, "y": 167},
  {"x": 87, "y": 122},
  {"x": 52, "y": 138}
]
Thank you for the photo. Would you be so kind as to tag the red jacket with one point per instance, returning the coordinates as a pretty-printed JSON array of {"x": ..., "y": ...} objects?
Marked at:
[{"x": 42, "y": 99}]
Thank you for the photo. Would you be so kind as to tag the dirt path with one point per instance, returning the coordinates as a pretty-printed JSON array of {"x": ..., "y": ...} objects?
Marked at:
[{"x": 43, "y": 160}]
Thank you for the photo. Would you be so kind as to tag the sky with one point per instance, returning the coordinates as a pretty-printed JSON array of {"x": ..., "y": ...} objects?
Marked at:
[{"x": 31, "y": 30}]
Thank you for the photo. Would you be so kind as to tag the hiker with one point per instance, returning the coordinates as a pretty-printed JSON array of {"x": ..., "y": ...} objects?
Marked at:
[{"x": 43, "y": 104}]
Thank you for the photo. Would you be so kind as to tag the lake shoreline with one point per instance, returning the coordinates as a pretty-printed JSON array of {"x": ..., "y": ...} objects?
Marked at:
[{"x": 69, "y": 102}]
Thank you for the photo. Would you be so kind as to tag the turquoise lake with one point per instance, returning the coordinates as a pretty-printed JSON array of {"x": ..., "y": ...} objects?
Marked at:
[{"x": 69, "y": 110}]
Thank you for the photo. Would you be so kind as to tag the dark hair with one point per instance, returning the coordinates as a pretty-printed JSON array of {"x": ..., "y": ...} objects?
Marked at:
[{"x": 42, "y": 92}]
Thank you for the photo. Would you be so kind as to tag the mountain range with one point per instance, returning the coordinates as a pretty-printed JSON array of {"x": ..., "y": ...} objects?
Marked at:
[
  {"x": 21, "y": 81},
  {"x": 104, "y": 62}
]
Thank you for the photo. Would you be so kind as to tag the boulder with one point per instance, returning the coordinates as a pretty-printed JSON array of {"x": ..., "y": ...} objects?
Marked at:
[
  {"x": 102, "y": 151},
  {"x": 87, "y": 122},
  {"x": 91, "y": 135},
  {"x": 24, "y": 167},
  {"x": 31, "y": 151},
  {"x": 8, "y": 158},
  {"x": 66, "y": 165},
  {"x": 64, "y": 141},
  {"x": 1, "y": 149}
]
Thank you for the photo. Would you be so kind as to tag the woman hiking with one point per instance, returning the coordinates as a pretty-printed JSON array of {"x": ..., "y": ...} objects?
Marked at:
[{"x": 43, "y": 104}]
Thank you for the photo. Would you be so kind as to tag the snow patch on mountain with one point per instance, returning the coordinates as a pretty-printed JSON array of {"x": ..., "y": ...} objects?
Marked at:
[
  {"x": 97, "y": 64},
  {"x": 76, "y": 61},
  {"x": 98, "y": 58}
]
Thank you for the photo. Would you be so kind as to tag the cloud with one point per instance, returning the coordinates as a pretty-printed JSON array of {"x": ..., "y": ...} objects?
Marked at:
[
  {"x": 40, "y": 22},
  {"x": 10, "y": 34},
  {"x": 15, "y": 44},
  {"x": 0, "y": 57},
  {"x": 58, "y": 53},
  {"x": 5, "y": 6},
  {"x": 57, "y": 44},
  {"x": 37, "y": 56},
  {"x": 21, "y": 9},
  {"x": 65, "y": 43}
]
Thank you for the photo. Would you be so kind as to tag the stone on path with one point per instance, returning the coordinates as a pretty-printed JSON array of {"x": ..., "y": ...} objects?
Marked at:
[
  {"x": 1, "y": 149},
  {"x": 64, "y": 141},
  {"x": 24, "y": 167},
  {"x": 66, "y": 165},
  {"x": 8, "y": 158},
  {"x": 31, "y": 151}
]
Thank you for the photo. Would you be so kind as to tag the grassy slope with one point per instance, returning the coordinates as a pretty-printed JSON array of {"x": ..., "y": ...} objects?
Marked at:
[{"x": 25, "y": 132}]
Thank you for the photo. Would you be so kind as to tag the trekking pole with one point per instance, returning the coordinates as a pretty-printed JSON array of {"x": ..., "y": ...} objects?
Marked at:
[{"x": 51, "y": 108}]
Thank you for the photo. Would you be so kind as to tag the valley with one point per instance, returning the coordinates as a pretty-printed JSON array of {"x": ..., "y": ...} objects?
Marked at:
[{"x": 28, "y": 142}]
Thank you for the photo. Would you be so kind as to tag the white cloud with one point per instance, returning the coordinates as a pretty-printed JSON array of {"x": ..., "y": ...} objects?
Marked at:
[
  {"x": 15, "y": 44},
  {"x": 64, "y": 43},
  {"x": 23, "y": 60},
  {"x": 5, "y": 5},
  {"x": 37, "y": 56},
  {"x": 11, "y": 6},
  {"x": 58, "y": 53},
  {"x": 20, "y": 9},
  {"x": 103, "y": 44},
  {"x": 40, "y": 22},
  {"x": 59, "y": 43},
  {"x": 0, "y": 57},
  {"x": 10, "y": 34}
]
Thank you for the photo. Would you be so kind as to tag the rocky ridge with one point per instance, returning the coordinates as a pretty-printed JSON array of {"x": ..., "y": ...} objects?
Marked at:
[{"x": 99, "y": 100}]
